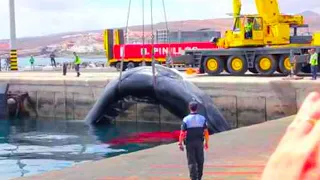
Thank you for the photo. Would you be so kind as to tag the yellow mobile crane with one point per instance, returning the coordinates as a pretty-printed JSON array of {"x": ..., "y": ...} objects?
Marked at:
[{"x": 261, "y": 43}]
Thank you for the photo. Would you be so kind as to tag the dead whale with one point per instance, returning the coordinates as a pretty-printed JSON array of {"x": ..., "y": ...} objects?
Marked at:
[{"x": 167, "y": 88}]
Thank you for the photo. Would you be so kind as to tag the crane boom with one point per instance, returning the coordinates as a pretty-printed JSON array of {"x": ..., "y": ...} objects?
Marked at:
[
  {"x": 236, "y": 12},
  {"x": 268, "y": 10},
  {"x": 236, "y": 8}
]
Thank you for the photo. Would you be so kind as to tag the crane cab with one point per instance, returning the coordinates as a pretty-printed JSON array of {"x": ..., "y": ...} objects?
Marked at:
[
  {"x": 253, "y": 31},
  {"x": 247, "y": 32}
]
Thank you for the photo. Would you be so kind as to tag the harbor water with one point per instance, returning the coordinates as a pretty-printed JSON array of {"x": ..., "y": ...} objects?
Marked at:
[
  {"x": 40, "y": 61},
  {"x": 29, "y": 147}
]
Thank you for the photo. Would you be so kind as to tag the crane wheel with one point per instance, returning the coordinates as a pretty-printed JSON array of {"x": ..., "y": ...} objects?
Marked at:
[
  {"x": 285, "y": 64},
  {"x": 266, "y": 65},
  {"x": 213, "y": 65},
  {"x": 237, "y": 65}
]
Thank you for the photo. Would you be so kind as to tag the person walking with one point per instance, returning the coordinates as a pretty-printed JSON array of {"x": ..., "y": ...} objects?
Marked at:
[
  {"x": 194, "y": 132},
  {"x": 53, "y": 61},
  {"x": 31, "y": 62},
  {"x": 77, "y": 63},
  {"x": 313, "y": 63}
]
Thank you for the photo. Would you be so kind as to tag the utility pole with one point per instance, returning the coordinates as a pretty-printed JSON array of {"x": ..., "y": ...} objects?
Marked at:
[{"x": 13, "y": 41}]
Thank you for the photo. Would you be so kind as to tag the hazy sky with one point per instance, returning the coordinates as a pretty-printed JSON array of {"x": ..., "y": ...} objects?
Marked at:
[{"x": 41, "y": 17}]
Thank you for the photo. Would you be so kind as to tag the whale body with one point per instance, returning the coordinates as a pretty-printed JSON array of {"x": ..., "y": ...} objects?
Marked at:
[{"x": 167, "y": 88}]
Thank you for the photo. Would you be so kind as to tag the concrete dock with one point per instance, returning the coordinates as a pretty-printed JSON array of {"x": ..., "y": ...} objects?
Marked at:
[
  {"x": 244, "y": 100},
  {"x": 238, "y": 154}
]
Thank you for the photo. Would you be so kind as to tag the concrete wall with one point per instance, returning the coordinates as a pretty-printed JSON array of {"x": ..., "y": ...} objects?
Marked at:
[
  {"x": 242, "y": 104},
  {"x": 247, "y": 103}
]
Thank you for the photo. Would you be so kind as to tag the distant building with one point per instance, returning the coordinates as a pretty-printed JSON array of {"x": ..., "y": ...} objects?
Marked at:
[
  {"x": 68, "y": 44},
  {"x": 4, "y": 46},
  {"x": 165, "y": 36},
  {"x": 162, "y": 36}
]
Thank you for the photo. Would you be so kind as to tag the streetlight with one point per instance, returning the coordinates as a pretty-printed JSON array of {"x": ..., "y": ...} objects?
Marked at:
[{"x": 13, "y": 43}]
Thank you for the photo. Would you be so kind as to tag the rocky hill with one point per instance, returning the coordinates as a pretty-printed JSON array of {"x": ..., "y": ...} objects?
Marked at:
[
  {"x": 62, "y": 44},
  {"x": 224, "y": 24},
  {"x": 90, "y": 43}
]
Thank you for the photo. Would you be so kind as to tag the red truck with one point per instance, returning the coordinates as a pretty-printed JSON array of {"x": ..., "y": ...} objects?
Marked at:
[{"x": 133, "y": 53}]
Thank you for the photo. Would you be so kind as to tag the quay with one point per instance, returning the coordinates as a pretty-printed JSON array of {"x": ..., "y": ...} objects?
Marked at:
[
  {"x": 233, "y": 155},
  {"x": 244, "y": 100},
  {"x": 252, "y": 105}
]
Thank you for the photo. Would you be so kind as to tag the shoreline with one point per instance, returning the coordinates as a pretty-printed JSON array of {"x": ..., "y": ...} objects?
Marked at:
[{"x": 67, "y": 56}]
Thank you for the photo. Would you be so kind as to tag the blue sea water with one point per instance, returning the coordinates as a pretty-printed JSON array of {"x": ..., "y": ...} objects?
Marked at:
[
  {"x": 39, "y": 61},
  {"x": 29, "y": 147}
]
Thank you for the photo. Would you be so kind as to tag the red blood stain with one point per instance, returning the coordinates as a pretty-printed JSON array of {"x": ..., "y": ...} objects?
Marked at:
[
  {"x": 148, "y": 137},
  {"x": 149, "y": 178}
]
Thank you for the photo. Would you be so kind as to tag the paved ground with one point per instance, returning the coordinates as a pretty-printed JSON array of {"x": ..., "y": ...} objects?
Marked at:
[{"x": 238, "y": 154}]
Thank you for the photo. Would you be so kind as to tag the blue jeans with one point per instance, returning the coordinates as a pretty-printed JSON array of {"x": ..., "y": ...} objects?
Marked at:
[
  {"x": 248, "y": 35},
  {"x": 314, "y": 70}
]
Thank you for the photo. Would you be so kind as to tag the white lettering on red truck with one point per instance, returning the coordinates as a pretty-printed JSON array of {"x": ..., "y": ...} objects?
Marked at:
[{"x": 165, "y": 50}]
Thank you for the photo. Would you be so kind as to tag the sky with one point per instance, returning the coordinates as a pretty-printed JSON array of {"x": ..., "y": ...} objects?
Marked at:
[{"x": 43, "y": 17}]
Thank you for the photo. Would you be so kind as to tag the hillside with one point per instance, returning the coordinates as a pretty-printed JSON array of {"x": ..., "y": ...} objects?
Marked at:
[
  {"x": 91, "y": 42},
  {"x": 222, "y": 25}
]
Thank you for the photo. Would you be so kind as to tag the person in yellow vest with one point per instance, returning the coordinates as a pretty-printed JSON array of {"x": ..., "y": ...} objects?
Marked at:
[
  {"x": 77, "y": 63},
  {"x": 248, "y": 28},
  {"x": 313, "y": 63}
]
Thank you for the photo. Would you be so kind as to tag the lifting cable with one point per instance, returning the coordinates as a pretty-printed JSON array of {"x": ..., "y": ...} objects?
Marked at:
[
  {"x": 152, "y": 40},
  {"x": 124, "y": 46},
  {"x": 143, "y": 36},
  {"x": 168, "y": 34},
  {"x": 152, "y": 45}
]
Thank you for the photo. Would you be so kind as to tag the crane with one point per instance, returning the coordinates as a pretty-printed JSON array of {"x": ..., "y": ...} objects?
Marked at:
[
  {"x": 270, "y": 27},
  {"x": 263, "y": 48}
]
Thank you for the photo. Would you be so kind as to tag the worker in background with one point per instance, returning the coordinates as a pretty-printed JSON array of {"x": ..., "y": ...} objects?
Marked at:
[
  {"x": 77, "y": 63},
  {"x": 53, "y": 61},
  {"x": 248, "y": 28},
  {"x": 193, "y": 133},
  {"x": 65, "y": 67},
  {"x": 8, "y": 62},
  {"x": 32, "y": 62},
  {"x": 313, "y": 63},
  {"x": 1, "y": 63}
]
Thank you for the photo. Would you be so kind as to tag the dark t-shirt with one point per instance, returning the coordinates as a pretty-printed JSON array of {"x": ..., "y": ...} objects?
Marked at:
[{"x": 194, "y": 124}]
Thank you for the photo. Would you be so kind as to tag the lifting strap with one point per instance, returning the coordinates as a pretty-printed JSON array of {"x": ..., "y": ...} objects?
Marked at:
[
  {"x": 143, "y": 36},
  {"x": 169, "y": 57},
  {"x": 143, "y": 39},
  {"x": 124, "y": 45},
  {"x": 152, "y": 45}
]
